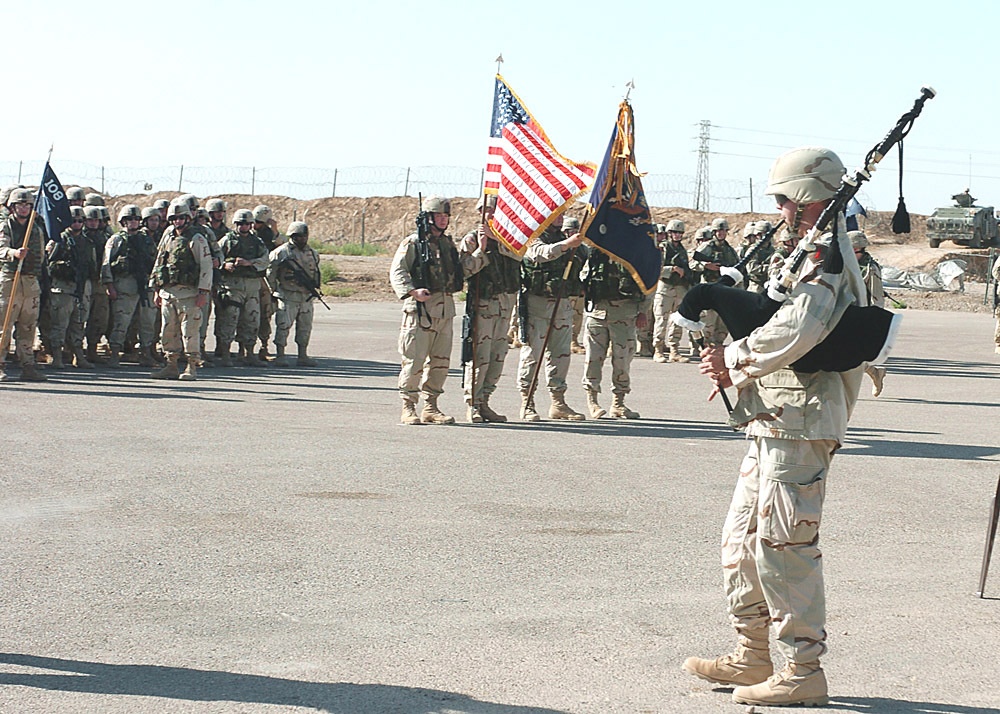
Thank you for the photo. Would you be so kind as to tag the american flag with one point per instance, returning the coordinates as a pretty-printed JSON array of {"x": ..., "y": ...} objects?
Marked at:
[{"x": 532, "y": 181}]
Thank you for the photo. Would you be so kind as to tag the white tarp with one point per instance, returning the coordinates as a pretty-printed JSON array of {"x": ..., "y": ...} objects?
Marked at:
[{"x": 948, "y": 276}]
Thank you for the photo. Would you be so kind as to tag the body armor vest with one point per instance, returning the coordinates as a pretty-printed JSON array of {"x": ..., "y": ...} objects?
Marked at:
[
  {"x": 675, "y": 254},
  {"x": 248, "y": 247},
  {"x": 501, "y": 275},
  {"x": 546, "y": 278},
  {"x": 442, "y": 269},
  {"x": 175, "y": 262},
  {"x": 33, "y": 260},
  {"x": 609, "y": 280}
]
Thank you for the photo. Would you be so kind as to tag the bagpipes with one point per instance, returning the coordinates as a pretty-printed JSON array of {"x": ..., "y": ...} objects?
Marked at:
[{"x": 862, "y": 334}]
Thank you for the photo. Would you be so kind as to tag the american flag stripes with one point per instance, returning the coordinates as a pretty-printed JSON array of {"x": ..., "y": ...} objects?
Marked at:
[{"x": 532, "y": 181}]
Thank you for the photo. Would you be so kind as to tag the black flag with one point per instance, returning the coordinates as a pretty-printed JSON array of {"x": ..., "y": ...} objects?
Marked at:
[{"x": 52, "y": 205}]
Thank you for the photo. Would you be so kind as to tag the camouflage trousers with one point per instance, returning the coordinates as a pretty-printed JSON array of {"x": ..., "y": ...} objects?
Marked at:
[
  {"x": 24, "y": 306},
  {"x": 293, "y": 312},
  {"x": 68, "y": 319},
  {"x": 645, "y": 335},
  {"x": 577, "y": 303},
  {"x": 610, "y": 321},
  {"x": 238, "y": 318},
  {"x": 491, "y": 347},
  {"x": 266, "y": 313},
  {"x": 123, "y": 309},
  {"x": 425, "y": 352},
  {"x": 557, "y": 353},
  {"x": 181, "y": 324},
  {"x": 996, "y": 333},
  {"x": 99, "y": 321},
  {"x": 206, "y": 315},
  {"x": 771, "y": 560},
  {"x": 666, "y": 301}
]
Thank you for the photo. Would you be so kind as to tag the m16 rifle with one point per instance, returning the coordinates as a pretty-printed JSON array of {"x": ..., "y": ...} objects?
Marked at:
[
  {"x": 300, "y": 276},
  {"x": 421, "y": 279}
]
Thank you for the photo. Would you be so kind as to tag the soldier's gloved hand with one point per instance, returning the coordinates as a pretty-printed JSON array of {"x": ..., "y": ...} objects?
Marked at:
[
  {"x": 202, "y": 299},
  {"x": 641, "y": 321},
  {"x": 420, "y": 294}
]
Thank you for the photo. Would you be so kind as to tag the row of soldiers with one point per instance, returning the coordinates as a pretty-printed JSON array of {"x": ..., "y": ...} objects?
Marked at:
[
  {"x": 153, "y": 282},
  {"x": 536, "y": 292}
]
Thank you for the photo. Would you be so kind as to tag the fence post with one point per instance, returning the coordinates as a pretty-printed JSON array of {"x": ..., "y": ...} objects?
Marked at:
[
  {"x": 751, "y": 194},
  {"x": 333, "y": 193},
  {"x": 363, "y": 211},
  {"x": 180, "y": 179},
  {"x": 406, "y": 188},
  {"x": 102, "y": 179},
  {"x": 20, "y": 164},
  {"x": 253, "y": 181}
]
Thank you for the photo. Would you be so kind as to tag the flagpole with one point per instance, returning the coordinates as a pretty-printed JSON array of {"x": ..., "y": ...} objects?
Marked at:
[{"x": 540, "y": 357}]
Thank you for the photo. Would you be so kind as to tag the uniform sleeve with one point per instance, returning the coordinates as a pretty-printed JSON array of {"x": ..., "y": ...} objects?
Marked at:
[
  {"x": 109, "y": 247},
  {"x": 474, "y": 260},
  {"x": 203, "y": 256},
  {"x": 539, "y": 252},
  {"x": 6, "y": 251},
  {"x": 402, "y": 265}
]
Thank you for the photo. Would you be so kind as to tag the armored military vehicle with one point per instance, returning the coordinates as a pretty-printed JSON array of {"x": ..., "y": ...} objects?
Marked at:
[{"x": 964, "y": 223}]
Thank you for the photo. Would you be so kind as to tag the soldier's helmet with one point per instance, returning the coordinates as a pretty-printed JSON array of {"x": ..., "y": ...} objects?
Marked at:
[
  {"x": 660, "y": 228},
  {"x": 178, "y": 208},
  {"x": 762, "y": 227},
  {"x": 75, "y": 193},
  {"x": 76, "y": 213},
  {"x": 436, "y": 204},
  {"x": 190, "y": 199},
  {"x": 297, "y": 228},
  {"x": 805, "y": 175},
  {"x": 129, "y": 210},
  {"x": 20, "y": 195},
  {"x": 720, "y": 224},
  {"x": 161, "y": 204},
  {"x": 201, "y": 213},
  {"x": 858, "y": 239},
  {"x": 92, "y": 213},
  {"x": 93, "y": 199},
  {"x": 243, "y": 216},
  {"x": 215, "y": 204},
  {"x": 262, "y": 213},
  {"x": 675, "y": 225},
  {"x": 750, "y": 229},
  {"x": 571, "y": 225},
  {"x": 150, "y": 212},
  {"x": 491, "y": 202},
  {"x": 105, "y": 215}
]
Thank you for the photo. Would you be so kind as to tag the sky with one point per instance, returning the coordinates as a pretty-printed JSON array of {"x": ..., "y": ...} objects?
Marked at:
[{"x": 377, "y": 83}]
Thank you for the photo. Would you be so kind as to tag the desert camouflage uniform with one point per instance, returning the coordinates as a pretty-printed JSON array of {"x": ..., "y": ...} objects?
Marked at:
[
  {"x": 494, "y": 291},
  {"x": 216, "y": 253},
  {"x": 425, "y": 335},
  {"x": 293, "y": 302},
  {"x": 238, "y": 312},
  {"x": 127, "y": 262},
  {"x": 99, "y": 319},
  {"x": 542, "y": 270},
  {"x": 26, "y": 301},
  {"x": 271, "y": 240},
  {"x": 670, "y": 290},
  {"x": 871, "y": 272},
  {"x": 613, "y": 301},
  {"x": 181, "y": 317},
  {"x": 71, "y": 263},
  {"x": 796, "y": 420},
  {"x": 757, "y": 268},
  {"x": 722, "y": 253}
]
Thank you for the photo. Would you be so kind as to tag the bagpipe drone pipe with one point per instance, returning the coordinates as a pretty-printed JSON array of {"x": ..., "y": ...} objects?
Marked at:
[{"x": 862, "y": 334}]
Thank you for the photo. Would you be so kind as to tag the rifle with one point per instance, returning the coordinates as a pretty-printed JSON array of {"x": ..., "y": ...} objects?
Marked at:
[
  {"x": 898, "y": 304},
  {"x": 300, "y": 276},
  {"x": 424, "y": 259}
]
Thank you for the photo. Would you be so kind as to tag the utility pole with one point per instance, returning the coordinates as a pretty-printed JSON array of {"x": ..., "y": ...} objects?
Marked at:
[{"x": 701, "y": 177}]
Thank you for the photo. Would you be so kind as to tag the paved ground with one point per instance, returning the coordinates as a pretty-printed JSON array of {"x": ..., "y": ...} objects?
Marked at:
[{"x": 264, "y": 541}]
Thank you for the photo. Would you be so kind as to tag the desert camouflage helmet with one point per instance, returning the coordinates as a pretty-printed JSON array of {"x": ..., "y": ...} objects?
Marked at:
[
  {"x": 436, "y": 204},
  {"x": 201, "y": 213},
  {"x": 190, "y": 200},
  {"x": 491, "y": 202},
  {"x": 858, "y": 239},
  {"x": 298, "y": 228},
  {"x": 92, "y": 213},
  {"x": 243, "y": 216},
  {"x": 5, "y": 193},
  {"x": 749, "y": 229},
  {"x": 805, "y": 175},
  {"x": 704, "y": 233},
  {"x": 660, "y": 228},
  {"x": 20, "y": 195},
  {"x": 178, "y": 208},
  {"x": 720, "y": 224},
  {"x": 150, "y": 211},
  {"x": 762, "y": 227},
  {"x": 675, "y": 225},
  {"x": 105, "y": 214},
  {"x": 129, "y": 210},
  {"x": 75, "y": 193},
  {"x": 571, "y": 225},
  {"x": 93, "y": 199},
  {"x": 76, "y": 213},
  {"x": 262, "y": 213},
  {"x": 215, "y": 204},
  {"x": 161, "y": 204}
]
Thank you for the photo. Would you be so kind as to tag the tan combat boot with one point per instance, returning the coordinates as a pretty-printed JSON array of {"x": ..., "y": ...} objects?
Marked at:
[
  {"x": 432, "y": 415},
  {"x": 675, "y": 356},
  {"x": 796, "y": 684},
  {"x": 80, "y": 359},
  {"x": 280, "y": 360},
  {"x": 304, "y": 360},
  {"x": 190, "y": 372},
  {"x": 113, "y": 359},
  {"x": 409, "y": 415},
  {"x": 878, "y": 377},
  {"x": 31, "y": 373},
  {"x": 576, "y": 348},
  {"x": 146, "y": 357},
  {"x": 750, "y": 662},
  {"x": 475, "y": 415},
  {"x": 489, "y": 415},
  {"x": 528, "y": 412},
  {"x": 659, "y": 356},
  {"x": 57, "y": 359},
  {"x": 620, "y": 411},
  {"x": 596, "y": 412},
  {"x": 251, "y": 359},
  {"x": 169, "y": 371},
  {"x": 561, "y": 410}
]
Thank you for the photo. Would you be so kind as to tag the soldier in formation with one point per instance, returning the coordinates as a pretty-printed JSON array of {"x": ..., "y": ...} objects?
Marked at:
[
  {"x": 294, "y": 276},
  {"x": 756, "y": 269},
  {"x": 675, "y": 279},
  {"x": 244, "y": 258},
  {"x": 128, "y": 260},
  {"x": 708, "y": 258},
  {"x": 871, "y": 271}
]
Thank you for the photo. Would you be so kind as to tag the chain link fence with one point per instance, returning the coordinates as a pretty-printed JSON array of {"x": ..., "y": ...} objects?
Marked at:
[{"x": 665, "y": 190}]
